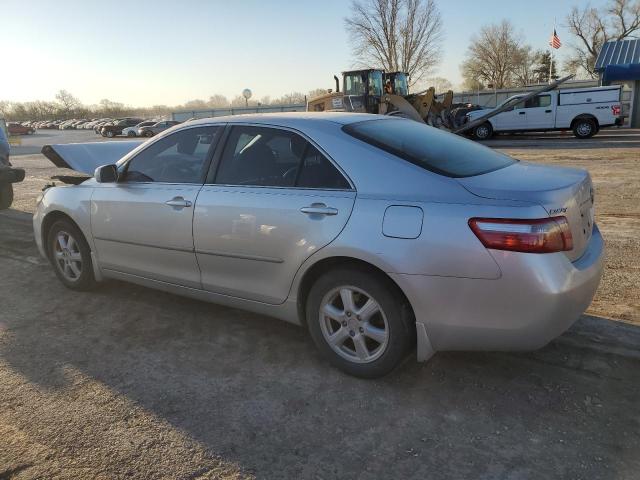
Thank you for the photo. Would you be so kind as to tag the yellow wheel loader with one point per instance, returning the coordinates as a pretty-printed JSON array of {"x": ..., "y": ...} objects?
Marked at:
[{"x": 374, "y": 91}]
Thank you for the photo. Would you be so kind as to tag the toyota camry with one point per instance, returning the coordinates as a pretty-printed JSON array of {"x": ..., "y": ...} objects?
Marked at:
[{"x": 379, "y": 235}]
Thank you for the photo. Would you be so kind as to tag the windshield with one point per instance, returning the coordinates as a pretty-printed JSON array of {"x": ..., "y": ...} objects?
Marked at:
[
  {"x": 375, "y": 83},
  {"x": 427, "y": 147},
  {"x": 509, "y": 100}
]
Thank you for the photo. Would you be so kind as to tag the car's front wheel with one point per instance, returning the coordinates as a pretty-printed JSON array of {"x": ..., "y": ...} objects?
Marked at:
[
  {"x": 360, "y": 322},
  {"x": 148, "y": 133},
  {"x": 110, "y": 134},
  {"x": 483, "y": 132},
  {"x": 70, "y": 256},
  {"x": 131, "y": 134}
]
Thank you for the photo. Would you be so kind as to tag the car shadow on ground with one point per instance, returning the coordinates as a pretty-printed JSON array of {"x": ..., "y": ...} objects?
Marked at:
[{"x": 254, "y": 391}]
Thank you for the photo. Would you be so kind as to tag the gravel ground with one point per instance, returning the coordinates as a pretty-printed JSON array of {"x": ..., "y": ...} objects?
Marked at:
[{"x": 128, "y": 382}]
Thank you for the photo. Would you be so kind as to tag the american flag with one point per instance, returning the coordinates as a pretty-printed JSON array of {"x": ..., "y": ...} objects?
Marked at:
[{"x": 555, "y": 40}]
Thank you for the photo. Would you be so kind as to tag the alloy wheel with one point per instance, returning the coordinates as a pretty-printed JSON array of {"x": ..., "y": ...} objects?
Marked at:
[
  {"x": 354, "y": 324},
  {"x": 67, "y": 256}
]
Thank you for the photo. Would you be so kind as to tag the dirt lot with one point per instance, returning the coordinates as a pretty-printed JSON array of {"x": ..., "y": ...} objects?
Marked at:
[{"x": 127, "y": 382}]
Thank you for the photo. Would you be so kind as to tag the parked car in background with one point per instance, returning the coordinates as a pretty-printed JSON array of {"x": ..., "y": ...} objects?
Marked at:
[
  {"x": 156, "y": 128},
  {"x": 18, "y": 129},
  {"x": 116, "y": 127},
  {"x": 433, "y": 243},
  {"x": 101, "y": 124},
  {"x": 583, "y": 110},
  {"x": 133, "y": 131}
]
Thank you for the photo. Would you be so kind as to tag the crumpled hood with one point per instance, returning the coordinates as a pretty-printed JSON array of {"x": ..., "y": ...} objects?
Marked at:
[{"x": 86, "y": 157}]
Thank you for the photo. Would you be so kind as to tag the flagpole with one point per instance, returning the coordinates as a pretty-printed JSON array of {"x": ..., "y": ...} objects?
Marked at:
[{"x": 551, "y": 48}]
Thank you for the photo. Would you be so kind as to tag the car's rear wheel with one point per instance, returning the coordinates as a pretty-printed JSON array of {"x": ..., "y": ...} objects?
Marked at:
[
  {"x": 110, "y": 134},
  {"x": 584, "y": 128},
  {"x": 70, "y": 256},
  {"x": 148, "y": 133},
  {"x": 483, "y": 132},
  {"x": 359, "y": 321},
  {"x": 6, "y": 196},
  {"x": 131, "y": 134}
]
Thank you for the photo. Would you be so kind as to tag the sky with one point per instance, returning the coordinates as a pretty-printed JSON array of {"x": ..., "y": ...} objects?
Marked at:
[{"x": 169, "y": 52}]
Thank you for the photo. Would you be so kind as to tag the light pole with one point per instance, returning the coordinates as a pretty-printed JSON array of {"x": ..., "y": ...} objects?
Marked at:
[{"x": 246, "y": 93}]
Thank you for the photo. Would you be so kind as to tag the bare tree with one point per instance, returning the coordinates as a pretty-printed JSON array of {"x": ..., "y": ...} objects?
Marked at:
[
  {"x": 493, "y": 56},
  {"x": 440, "y": 84},
  {"x": 397, "y": 35},
  {"x": 218, "y": 101},
  {"x": 594, "y": 27},
  {"x": 68, "y": 103}
]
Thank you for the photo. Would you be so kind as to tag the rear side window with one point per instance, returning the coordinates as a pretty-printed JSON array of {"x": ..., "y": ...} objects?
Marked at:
[
  {"x": 272, "y": 157},
  {"x": 427, "y": 147},
  {"x": 318, "y": 172}
]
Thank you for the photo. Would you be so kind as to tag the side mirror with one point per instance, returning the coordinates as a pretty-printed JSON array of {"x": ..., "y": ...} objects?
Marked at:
[{"x": 106, "y": 174}]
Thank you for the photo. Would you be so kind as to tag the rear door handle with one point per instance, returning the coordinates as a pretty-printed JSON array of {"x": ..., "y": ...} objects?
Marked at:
[
  {"x": 178, "y": 202},
  {"x": 319, "y": 209},
  {"x": 548, "y": 111},
  {"x": 522, "y": 113}
]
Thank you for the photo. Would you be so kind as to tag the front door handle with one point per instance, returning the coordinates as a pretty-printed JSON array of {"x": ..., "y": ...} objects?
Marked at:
[
  {"x": 319, "y": 209},
  {"x": 522, "y": 113},
  {"x": 548, "y": 111},
  {"x": 178, "y": 202}
]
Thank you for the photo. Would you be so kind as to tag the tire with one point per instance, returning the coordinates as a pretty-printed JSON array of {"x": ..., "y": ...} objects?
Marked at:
[
  {"x": 584, "y": 128},
  {"x": 6, "y": 196},
  {"x": 147, "y": 133},
  {"x": 391, "y": 326},
  {"x": 76, "y": 274},
  {"x": 483, "y": 132},
  {"x": 110, "y": 134},
  {"x": 131, "y": 134}
]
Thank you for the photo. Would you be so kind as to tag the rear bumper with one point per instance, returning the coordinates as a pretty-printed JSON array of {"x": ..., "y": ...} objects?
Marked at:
[
  {"x": 11, "y": 175},
  {"x": 536, "y": 299}
]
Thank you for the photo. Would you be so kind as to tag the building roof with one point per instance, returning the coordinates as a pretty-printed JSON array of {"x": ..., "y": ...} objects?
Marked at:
[{"x": 621, "y": 52}]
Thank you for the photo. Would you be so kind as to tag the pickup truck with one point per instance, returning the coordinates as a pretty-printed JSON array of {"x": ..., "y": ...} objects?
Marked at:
[{"x": 583, "y": 110}]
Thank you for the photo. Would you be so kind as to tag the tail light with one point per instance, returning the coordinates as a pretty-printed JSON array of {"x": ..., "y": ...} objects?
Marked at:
[
  {"x": 544, "y": 235},
  {"x": 616, "y": 109}
]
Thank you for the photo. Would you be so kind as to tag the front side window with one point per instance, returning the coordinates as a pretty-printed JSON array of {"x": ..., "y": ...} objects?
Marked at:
[
  {"x": 273, "y": 157},
  {"x": 429, "y": 148},
  {"x": 178, "y": 158}
]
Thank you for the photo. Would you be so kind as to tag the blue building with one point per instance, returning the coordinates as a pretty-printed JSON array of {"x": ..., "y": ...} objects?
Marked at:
[{"x": 619, "y": 63}]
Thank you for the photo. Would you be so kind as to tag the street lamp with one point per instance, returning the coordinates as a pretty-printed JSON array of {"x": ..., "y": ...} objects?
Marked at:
[{"x": 246, "y": 93}]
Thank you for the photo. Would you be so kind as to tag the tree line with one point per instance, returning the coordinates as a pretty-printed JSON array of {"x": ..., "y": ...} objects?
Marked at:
[{"x": 66, "y": 106}]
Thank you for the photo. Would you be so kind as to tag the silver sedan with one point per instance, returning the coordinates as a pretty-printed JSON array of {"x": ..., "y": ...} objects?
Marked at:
[{"x": 379, "y": 235}]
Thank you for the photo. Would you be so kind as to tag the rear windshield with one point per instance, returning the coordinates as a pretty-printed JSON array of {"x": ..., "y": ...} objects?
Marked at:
[{"x": 432, "y": 149}]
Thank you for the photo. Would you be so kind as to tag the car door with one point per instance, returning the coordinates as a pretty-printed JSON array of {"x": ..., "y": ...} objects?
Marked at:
[
  {"x": 142, "y": 224},
  {"x": 274, "y": 201},
  {"x": 539, "y": 112},
  {"x": 510, "y": 120}
]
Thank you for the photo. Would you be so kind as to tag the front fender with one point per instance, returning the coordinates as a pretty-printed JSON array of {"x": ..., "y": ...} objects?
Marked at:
[{"x": 72, "y": 201}]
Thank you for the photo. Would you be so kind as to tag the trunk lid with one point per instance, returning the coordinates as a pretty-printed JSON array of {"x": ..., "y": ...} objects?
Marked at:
[{"x": 560, "y": 191}]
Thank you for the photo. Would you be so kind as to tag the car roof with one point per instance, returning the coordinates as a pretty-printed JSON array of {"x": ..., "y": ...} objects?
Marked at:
[{"x": 292, "y": 118}]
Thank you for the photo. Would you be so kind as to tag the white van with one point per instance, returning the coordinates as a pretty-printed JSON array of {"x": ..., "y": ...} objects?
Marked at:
[{"x": 583, "y": 110}]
